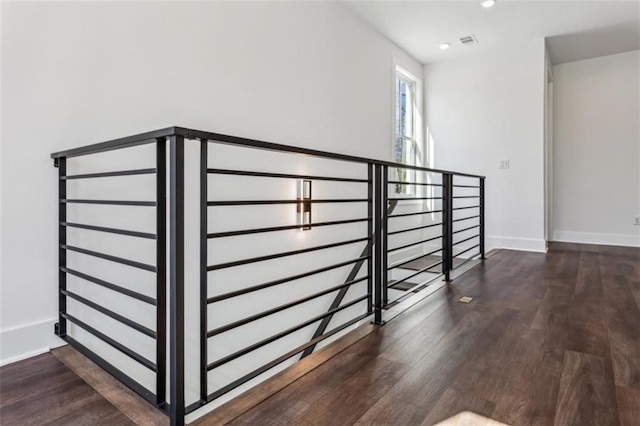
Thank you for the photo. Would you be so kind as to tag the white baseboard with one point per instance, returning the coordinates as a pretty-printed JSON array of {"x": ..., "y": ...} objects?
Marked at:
[
  {"x": 521, "y": 244},
  {"x": 627, "y": 240},
  {"x": 27, "y": 341}
]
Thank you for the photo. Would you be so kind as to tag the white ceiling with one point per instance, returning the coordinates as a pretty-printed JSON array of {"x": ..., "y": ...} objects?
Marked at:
[{"x": 575, "y": 29}]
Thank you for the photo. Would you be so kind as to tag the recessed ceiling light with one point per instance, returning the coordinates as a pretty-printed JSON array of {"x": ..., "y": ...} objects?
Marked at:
[
  {"x": 445, "y": 46},
  {"x": 488, "y": 3}
]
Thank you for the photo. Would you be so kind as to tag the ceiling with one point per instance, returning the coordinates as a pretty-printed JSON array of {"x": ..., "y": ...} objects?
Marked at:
[{"x": 575, "y": 29}]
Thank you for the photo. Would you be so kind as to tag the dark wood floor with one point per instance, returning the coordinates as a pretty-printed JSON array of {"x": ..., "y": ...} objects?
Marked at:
[
  {"x": 43, "y": 391},
  {"x": 549, "y": 339}
]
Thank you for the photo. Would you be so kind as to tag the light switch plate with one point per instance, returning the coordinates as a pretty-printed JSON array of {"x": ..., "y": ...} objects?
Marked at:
[{"x": 503, "y": 164}]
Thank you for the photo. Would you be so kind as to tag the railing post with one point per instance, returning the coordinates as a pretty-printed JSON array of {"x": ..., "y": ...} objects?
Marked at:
[
  {"x": 379, "y": 283},
  {"x": 204, "y": 145},
  {"x": 61, "y": 163},
  {"x": 482, "y": 252},
  {"x": 161, "y": 273},
  {"x": 385, "y": 222},
  {"x": 447, "y": 225},
  {"x": 370, "y": 232},
  {"x": 176, "y": 280}
]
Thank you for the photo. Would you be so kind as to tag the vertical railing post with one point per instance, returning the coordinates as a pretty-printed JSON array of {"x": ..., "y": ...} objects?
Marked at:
[
  {"x": 204, "y": 145},
  {"x": 385, "y": 222},
  {"x": 370, "y": 232},
  {"x": 379, "y": 283},
  {"x": 176, "y": 280},
  {"x": 161, "y": 273},
  {"x": 447, "y": 225},
  {"x": 482, "y": 252},
  {"x": 61, "y": 163}
]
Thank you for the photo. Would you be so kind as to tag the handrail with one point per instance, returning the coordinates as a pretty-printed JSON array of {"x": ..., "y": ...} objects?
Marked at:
[{"x": 151, "y": 136}]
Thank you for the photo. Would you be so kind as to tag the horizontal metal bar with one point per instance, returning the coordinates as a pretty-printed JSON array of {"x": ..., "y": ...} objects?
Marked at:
[
  {"x": 466, "y": 196},
  {"x": 282, "y": 254},
  {"x": 124, "y": 320},
  {"x": 463, "y": 252},
  {"x": 415, "y": 289},
  {"x": 282, "y": 175},
  {"x": 466, "y": 239},
  {"x": 465, "y": 229},
  {"x": 422, "y": 169},
  {"x": 466, "y": 218},
  {"x": 262, "y": 202},
  {"x": 234, "y": 140},
  {"x": 413, "y": 244},
  {"x": 150, "y": 137},
  {"x": 413, "y": 214},
  {"x": 404, "y": 262},
  {"x": 109, "y": 368},
  {"x": 112, "y": 202},
  {"x": 110, "y": 230},
  {"x": 461, "y": 264},
  {"x": 413, "y": 183},
  {"x": 282, "y": 280},
  {"x": 466, "y": 186},
  {"x": 126, "y": 142},
  {"x": 418, "y": 272},
  {"x": 258, "y": 371},
  {"x": 281, "y": 228},
  {"x": 116, "y": 259},
  {"x": 116, "y": 288},
  {"x": 110, "y": 174},
  {"x": 277, "y": 309},
  {"x": 258, "y": 345},
  {"x": 415, "y": 198},
  {"x": 464, "y": 208},
  {"x": 414, "y": 229},
  {"x": 119, "y": 346}
]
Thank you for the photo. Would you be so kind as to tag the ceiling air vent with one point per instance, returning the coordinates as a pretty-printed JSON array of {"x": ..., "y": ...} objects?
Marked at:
[{"x": 468, "y": 40}]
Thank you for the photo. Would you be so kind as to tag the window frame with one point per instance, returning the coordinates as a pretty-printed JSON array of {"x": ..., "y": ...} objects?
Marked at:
[{"x": 419, "y": 154}]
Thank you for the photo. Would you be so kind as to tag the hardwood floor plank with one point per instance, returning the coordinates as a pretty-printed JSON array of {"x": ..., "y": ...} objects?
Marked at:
[
  {"x": 124, "y": 399},
  {"x": 453, "y": 402},
  {"x": 390, "y": 411},
  {"x": 628, "y": 405},
  {"x": 27, "y": 368},
  {"x": 425, "y": 383},
  {"x": 622, "y": 320},
  {"x": 98, "y": 411},
  {"x": 313, "y": 386},
  {"x": 42, "y": 390},
  {"x": 587, "y": 393}
]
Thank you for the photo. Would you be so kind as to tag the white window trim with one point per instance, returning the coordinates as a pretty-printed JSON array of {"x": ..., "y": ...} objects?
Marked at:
[{"x": 399, "y": 68}]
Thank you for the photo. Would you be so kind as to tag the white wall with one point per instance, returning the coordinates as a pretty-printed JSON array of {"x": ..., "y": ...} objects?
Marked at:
[
  {"x": 485, "y": 108},
  {"x": 76, "y": 73},
  {"x": 597, "y": 150}
]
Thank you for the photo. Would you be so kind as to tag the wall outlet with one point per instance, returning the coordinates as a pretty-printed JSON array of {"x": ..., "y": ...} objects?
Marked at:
[
  {"x": 503, "y": 164},
  {"x": 636, "y": 220}
]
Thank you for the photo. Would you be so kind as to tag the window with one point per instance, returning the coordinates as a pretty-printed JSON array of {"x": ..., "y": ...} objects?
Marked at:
[{"x": 406, "y": 146}]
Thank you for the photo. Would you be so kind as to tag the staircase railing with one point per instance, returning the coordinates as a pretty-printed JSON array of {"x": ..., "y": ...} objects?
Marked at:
[{"x": 235, "y": 295}]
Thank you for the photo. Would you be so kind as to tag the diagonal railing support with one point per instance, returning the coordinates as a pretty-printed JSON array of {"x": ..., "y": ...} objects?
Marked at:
[{"x": 322, "y": 327}]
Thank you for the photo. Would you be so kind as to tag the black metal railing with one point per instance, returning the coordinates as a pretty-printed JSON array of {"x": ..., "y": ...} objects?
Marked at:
[{"x": 372, "y": 240}]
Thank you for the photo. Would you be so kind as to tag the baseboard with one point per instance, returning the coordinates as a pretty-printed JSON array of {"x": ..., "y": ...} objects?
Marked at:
[
  {"x": 520, "y": 244},
  {"x": 27, "y": 341},
  {"x": 626, "y": 240}
]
